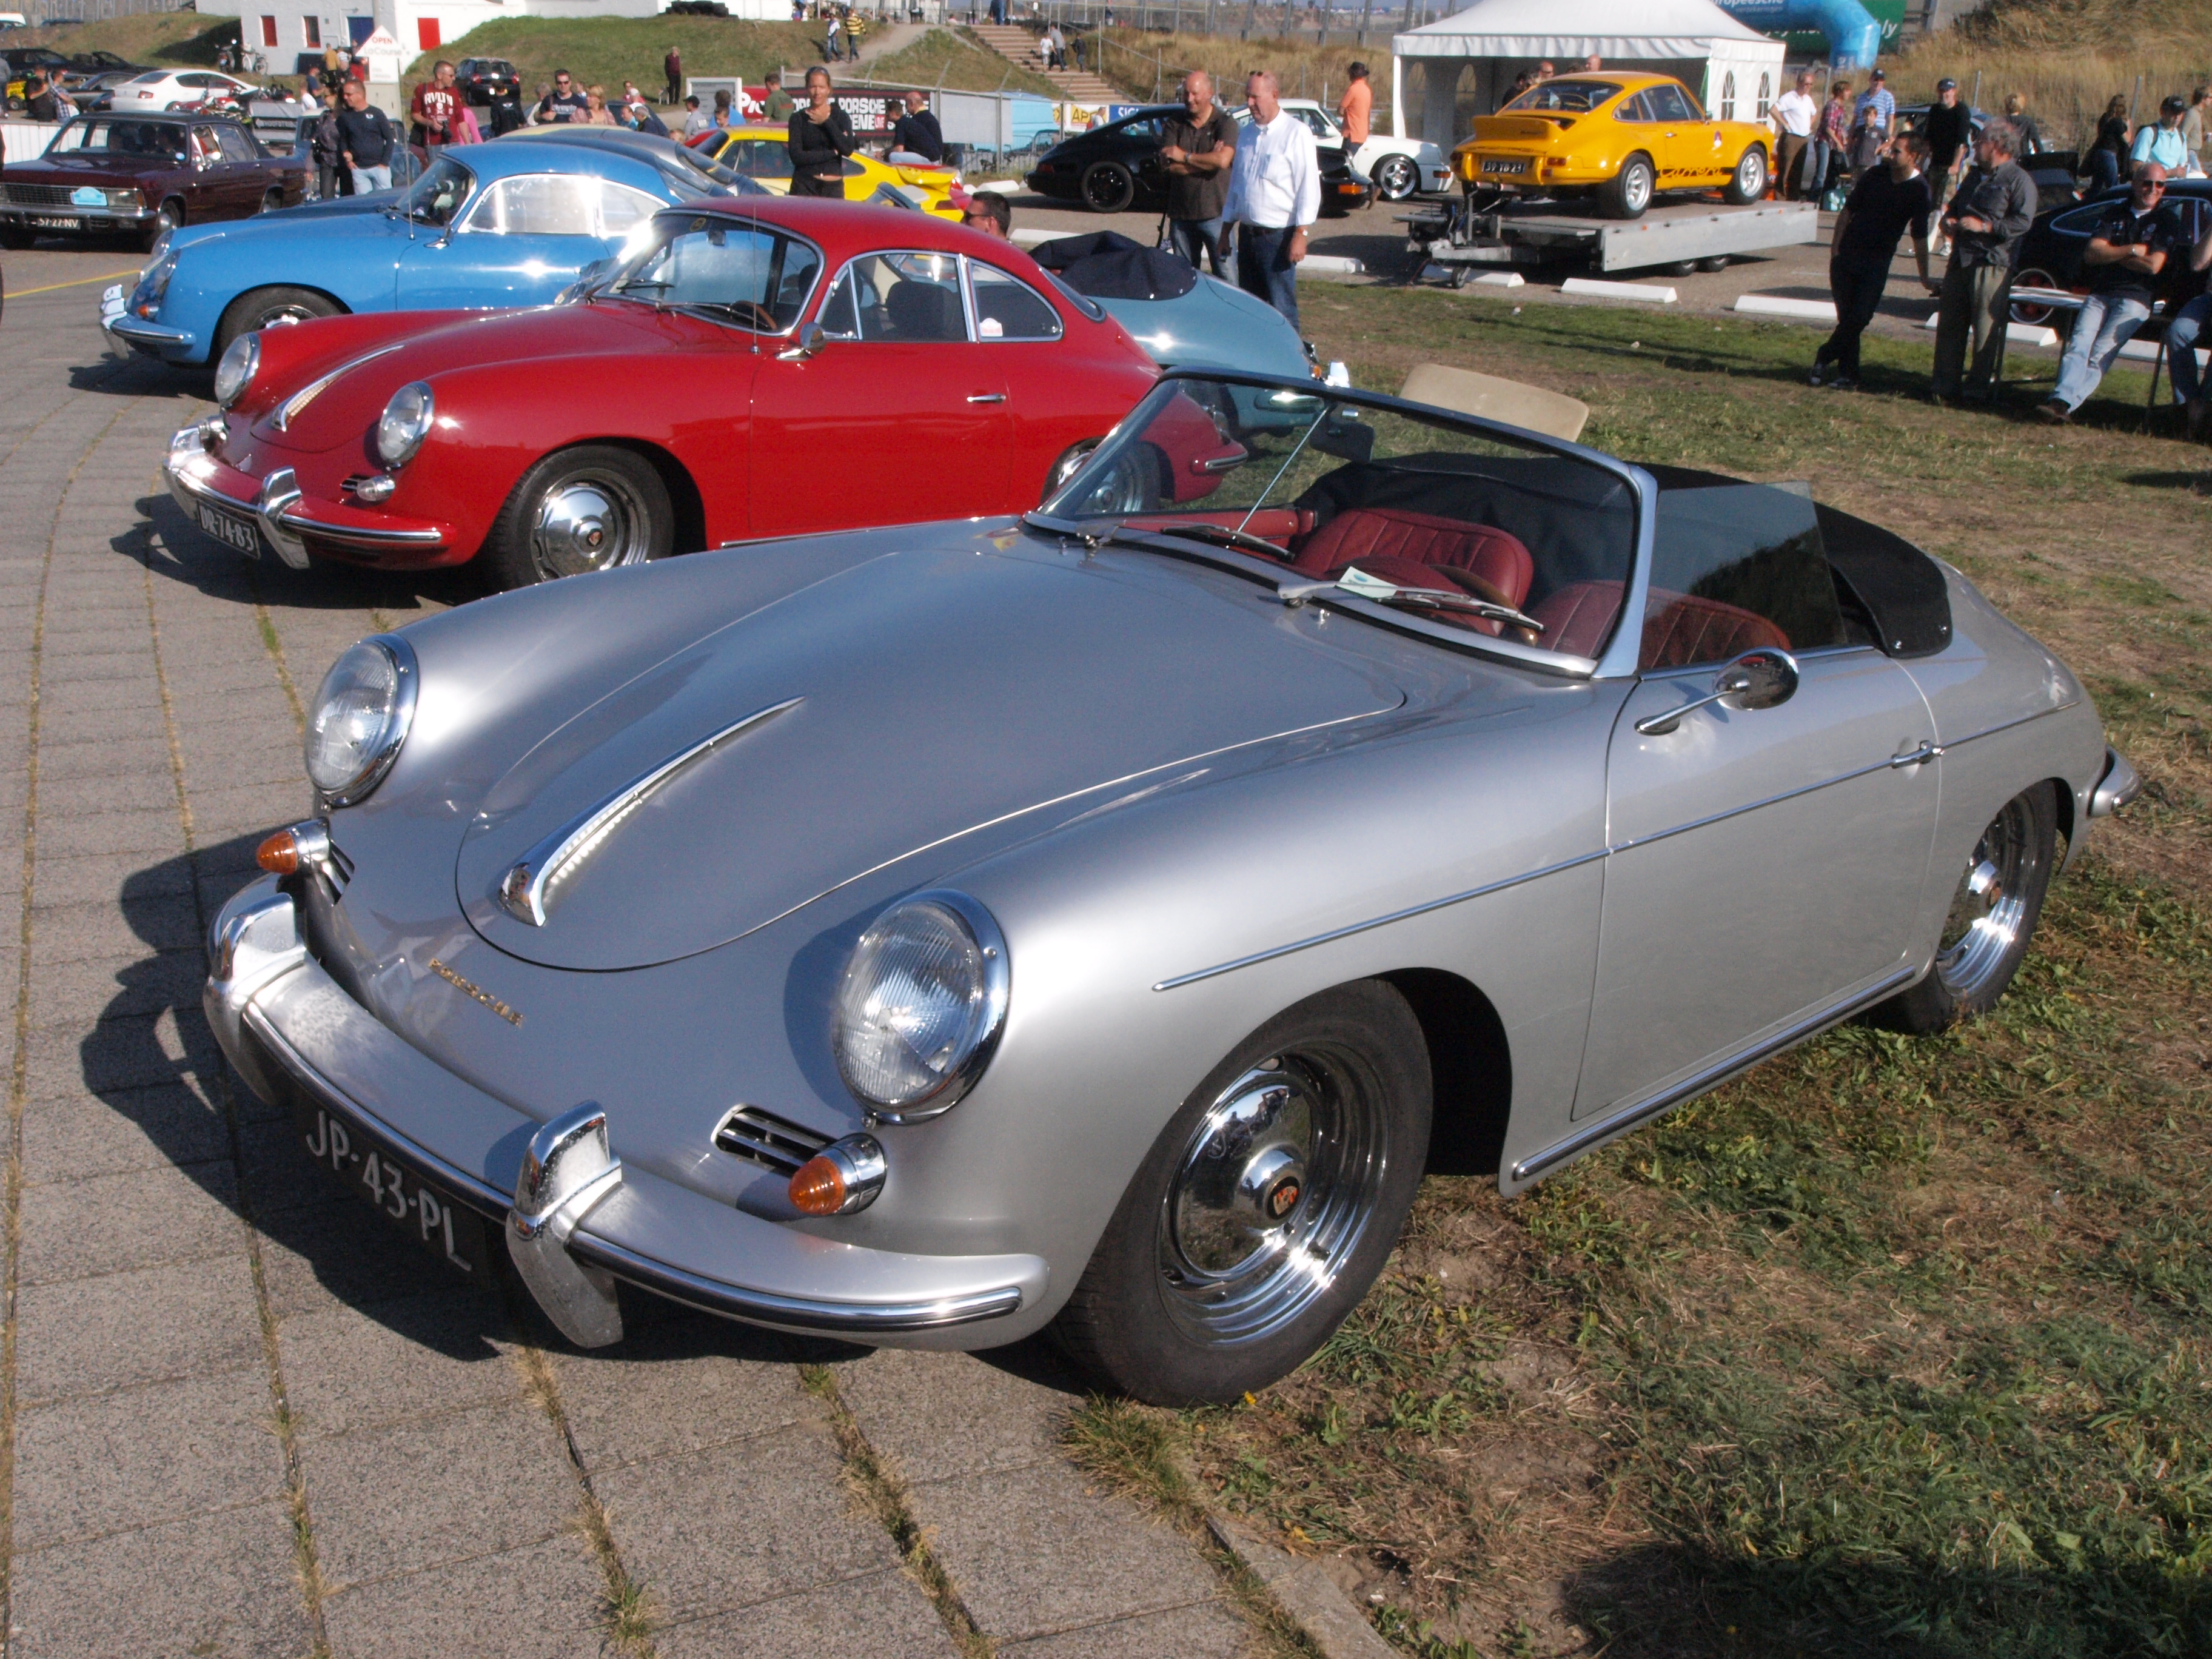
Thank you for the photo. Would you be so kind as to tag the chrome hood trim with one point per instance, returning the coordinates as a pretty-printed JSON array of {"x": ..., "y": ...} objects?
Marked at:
[
  {"x": 527, "y": 890},
  {"x": 296, "y": 405}
]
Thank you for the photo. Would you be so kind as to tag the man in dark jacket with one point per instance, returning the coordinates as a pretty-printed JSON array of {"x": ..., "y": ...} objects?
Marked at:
[
  {"x": 38, "y": 101},
  {"x": 1947, "y": 127},
  {"x": 672, "y": 67},
  {"x": 1993, "y": 208},
  {"x": 366, "y": 140},
  {"x": 916, "y": 135}
]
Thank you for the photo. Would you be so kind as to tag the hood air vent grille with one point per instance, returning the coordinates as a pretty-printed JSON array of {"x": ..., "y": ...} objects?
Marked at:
[{"x": 773, "y": 1142}]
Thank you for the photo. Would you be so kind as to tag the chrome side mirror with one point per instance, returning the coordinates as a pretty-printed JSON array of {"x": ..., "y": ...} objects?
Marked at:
[
  {"x": 810, "y": 340},
  {"x": 1764, "y": 678}
]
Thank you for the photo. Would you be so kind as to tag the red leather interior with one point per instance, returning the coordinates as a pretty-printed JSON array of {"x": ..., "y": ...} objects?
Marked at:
[
  {"x": 1278, "y": 525},
  {"x": 1678, "y": 629},
  {"x": 1364, "y": 535}
]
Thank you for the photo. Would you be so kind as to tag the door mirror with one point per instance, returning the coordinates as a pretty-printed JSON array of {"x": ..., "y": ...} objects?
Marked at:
[
  {"x": 1758, "y": 679},
  {"x": 810, "y": 340}
]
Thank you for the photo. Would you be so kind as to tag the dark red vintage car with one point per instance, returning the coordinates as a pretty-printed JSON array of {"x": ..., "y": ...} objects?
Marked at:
[
  {"x": 752, "y": 367},
  {"x": 137, "y": 175}
]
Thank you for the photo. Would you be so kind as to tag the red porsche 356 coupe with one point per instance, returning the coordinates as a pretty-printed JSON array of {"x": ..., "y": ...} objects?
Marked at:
[{"x": 750, "y": 367}]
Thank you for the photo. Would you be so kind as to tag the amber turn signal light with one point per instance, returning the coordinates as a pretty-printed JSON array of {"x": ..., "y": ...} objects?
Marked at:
[
  {"x": 843, "y": 1178},
  {"x": 279, "y": 855}
]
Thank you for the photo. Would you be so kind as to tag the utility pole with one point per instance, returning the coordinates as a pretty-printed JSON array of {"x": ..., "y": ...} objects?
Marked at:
[{"x": 1365, "y": 8}]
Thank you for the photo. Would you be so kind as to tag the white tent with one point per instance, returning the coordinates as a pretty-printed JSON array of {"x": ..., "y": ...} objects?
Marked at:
[{"x": 1445, "y": 73}]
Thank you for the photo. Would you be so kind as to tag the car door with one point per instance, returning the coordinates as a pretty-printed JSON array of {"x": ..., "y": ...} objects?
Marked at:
[
  {"x": 204, "y": 188},
  {"x": 519, "y": 242},
  {"x": 242, "y": 178},
  {"x": 1764, "y": 863},
  {"x": 1679, "y": 142},
  {"x": 898, "y": 417},
  {"x": 1025, "y": 338}
]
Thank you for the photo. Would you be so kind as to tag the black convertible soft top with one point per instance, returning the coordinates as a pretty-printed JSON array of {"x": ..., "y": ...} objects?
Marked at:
[
  {"x": 1108, "y": 265},
  {"x": 1899, "y": 589}
]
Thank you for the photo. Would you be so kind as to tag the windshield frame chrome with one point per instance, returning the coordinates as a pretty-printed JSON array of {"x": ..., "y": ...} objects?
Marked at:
[
  {"x": 607, "y": 290},
  {"x": 1619, "y": 660}
]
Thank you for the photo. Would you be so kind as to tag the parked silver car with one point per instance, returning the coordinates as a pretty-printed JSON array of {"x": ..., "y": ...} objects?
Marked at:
[{"x": 935, "y": 934}]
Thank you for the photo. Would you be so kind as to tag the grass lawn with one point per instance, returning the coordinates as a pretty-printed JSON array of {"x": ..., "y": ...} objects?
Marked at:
[
  {"x": 608, "y": 51},
  {"x": 1895, "y": 1347}
]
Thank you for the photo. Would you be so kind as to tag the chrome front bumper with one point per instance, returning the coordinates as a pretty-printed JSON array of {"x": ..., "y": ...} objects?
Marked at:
[
  {"x": 2119, "y": 785},
  {"x": 574, "y": 1217},
  {"x": 158, "y": 339},
  {"x": 283, "y": 513}
]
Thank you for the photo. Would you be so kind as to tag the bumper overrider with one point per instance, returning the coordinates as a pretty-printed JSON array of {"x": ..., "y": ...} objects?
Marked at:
[
  {"x": 275, "y": 507},
  {"x": 575, "y": 1219}
]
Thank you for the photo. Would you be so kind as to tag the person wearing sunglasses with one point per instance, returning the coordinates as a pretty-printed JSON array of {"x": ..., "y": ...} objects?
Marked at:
[{"x": 2127, "y": 251}]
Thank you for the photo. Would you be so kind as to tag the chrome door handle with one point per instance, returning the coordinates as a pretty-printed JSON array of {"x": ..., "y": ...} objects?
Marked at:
[
  {"x": 1926, "y": 751},
  {"x": 986, "y": 397}
]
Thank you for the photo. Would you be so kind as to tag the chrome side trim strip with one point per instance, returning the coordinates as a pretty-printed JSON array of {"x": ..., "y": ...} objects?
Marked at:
[
  {"x": 1379, "y": 921},
  {"x": 1712, "y": 1077},
  {"x": 2007, "y": 726},
  {"x": 1757, "y": 806},
  {"x": 487, "y": 1200},
  {"x": 806, "y": 1313},
  {"x": 527, "y": 890}
]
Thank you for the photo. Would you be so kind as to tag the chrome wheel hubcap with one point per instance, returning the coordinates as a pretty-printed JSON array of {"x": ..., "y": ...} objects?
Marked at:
[
  {"x": 1991, "y": 906},
  {"x": 588, "y": 524},
  {"x": 1274, "y": 1192}
]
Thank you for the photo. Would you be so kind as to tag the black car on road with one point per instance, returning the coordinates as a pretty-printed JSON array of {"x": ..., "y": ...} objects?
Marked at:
[
  {"x": 1116, "y": 167},
  {"x": 2050, "y": 253}
]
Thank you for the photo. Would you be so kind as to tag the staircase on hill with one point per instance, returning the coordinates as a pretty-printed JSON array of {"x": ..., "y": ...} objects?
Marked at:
[{"x": 1018, "y": 45}]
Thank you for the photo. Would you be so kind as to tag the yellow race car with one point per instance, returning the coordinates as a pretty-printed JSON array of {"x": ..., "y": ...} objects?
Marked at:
[
  {"x": 1621, "y": 138},
  {"x": 761, "y": 155}
]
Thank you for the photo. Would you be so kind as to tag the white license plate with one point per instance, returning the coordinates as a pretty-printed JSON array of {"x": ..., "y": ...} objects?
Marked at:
[
  {"x": 1504, "y": 164},
  {"x": 235, "y": 533},
  {"x": 45, "y": 223}
]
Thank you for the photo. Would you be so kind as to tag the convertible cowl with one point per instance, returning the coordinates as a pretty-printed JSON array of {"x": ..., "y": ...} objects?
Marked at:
[{"x": 867, "y": 717}]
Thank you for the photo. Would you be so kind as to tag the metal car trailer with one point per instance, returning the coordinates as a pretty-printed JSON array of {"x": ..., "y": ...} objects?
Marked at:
[{"x": 1466, "y": 236}]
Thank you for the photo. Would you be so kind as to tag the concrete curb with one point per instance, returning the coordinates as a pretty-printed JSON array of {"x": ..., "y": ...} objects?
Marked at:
[
  {"x": 1650, "y": 294},
  {"x": 1776, "y": 305},
  {"x": 1308, "y": 1594},
  {"x": 2018, "y": 333}
]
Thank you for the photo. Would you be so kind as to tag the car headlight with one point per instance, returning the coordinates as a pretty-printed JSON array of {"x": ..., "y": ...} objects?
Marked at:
[
  {"x": 404, "y": 424},
  {"x": 154, "y": 282},
  {"x": 360, "y": 718},
  {"x": 236, "y": 371},
  {"x": 921, "y": 1006}
]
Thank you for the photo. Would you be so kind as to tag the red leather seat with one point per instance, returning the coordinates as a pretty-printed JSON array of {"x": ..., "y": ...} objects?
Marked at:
[
  {"x": 1678, "y": 629},
  {"x": 1366, "y": 534}
]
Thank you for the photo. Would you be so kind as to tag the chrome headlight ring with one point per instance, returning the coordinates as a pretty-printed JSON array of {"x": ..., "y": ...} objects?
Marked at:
[
  {"x": 360, "y": 718},
  {"x": 404, "y": 424},
  {"x": 921, "y": 1006},
  {"x": 240, "y": 364}
]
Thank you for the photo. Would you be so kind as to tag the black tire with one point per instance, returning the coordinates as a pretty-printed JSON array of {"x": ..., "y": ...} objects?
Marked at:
[
  {"x": 1712, "y": 262},
  {"x": 15, "y": 240},
  {"x": 1985, "y": 938},
  {"x": 1108, "y": 187},
  {"x": 269, "y": 307},
  {"x": 1396, "y": 178},
  {"x": 1323, "y": 1113},
  {"x": 166, "y": 218},
  {"x": 591, "y": 507},
  {"x": 1748, "y": 184},
  {"x": 1627, "y": 194}
]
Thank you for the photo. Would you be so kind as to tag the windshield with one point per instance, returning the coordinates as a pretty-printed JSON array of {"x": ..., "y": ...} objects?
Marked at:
[
  {"x": 746, "y": 274},
  {"x": 104, "y": 137},
  {"x": 1424, "y": 514},
  {"x": 1564, "y": 97},
  {"x": 439, "y": 193}
]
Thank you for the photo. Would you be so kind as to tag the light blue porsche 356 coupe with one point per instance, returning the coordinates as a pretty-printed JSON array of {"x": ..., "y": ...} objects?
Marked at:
[{"x": 509, "y": 223}]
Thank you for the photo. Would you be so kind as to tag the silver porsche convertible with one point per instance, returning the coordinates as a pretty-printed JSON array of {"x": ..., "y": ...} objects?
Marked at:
[{"x": 1099, "y": 921}]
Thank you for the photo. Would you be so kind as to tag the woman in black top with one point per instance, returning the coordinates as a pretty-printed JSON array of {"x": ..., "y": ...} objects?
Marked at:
[
  {"x": 821, "y": 138},
  {"x": 2108, "y": 154}
]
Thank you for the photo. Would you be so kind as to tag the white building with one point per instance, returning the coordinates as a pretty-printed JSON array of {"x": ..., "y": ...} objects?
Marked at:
[{"x": 289, "y": 34}]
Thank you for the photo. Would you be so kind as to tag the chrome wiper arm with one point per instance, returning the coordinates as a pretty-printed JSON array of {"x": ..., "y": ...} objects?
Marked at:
[
  {"x": 1222, "y": 536},
  {"x": 1357, "y": 584}
]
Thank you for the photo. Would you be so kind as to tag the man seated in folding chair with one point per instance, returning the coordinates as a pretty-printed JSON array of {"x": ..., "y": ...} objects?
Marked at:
[
  {"x": 2126, "y": 252},
  {"x": 2181, "y": 333}
]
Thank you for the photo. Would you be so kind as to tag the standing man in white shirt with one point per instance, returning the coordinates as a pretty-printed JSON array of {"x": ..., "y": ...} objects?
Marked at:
[
  {"x": 1794, "y": 113},
  {"x": 1275, "y": 194}
]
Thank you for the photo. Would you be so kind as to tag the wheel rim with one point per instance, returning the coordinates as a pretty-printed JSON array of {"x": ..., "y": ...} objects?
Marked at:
[
  {"x": 1750, "y": 174},
  {"x": 283, "y": 316},
  {"x": 590, "y": 522},
  {"x": 2025, "y": 311},
  {"x": 1988, "y": 912},
  {"x": 1397, "y": 178},
  {"x": 1273, "y": 1193},
  {"x": 1106, "y": 189},
  {"x": 1635, "y": 189}
]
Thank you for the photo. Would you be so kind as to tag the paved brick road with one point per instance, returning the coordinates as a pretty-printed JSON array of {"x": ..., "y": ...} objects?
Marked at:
[{"x": 233, "y": 1417}]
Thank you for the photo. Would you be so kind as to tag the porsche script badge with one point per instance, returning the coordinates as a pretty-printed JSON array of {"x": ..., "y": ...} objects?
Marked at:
[{"x": 468, "y": 989}]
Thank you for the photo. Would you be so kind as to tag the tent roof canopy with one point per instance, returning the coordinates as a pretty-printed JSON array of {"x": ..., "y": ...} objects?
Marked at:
[{"x": 1651, "y": 31}]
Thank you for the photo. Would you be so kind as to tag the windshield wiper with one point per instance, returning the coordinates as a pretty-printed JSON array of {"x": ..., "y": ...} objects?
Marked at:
[
  {"x": 1222, "y": 536},
  {"x": 1356, "y": 583}
]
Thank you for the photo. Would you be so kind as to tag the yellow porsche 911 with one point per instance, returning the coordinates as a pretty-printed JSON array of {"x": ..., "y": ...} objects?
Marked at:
[
  {"x": 764, "y": 155},
  {"x": 1621, "y": 138}
]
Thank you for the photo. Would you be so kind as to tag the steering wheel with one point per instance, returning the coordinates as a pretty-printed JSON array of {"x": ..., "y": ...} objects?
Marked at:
[{"x": 1496, "y": 595}]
